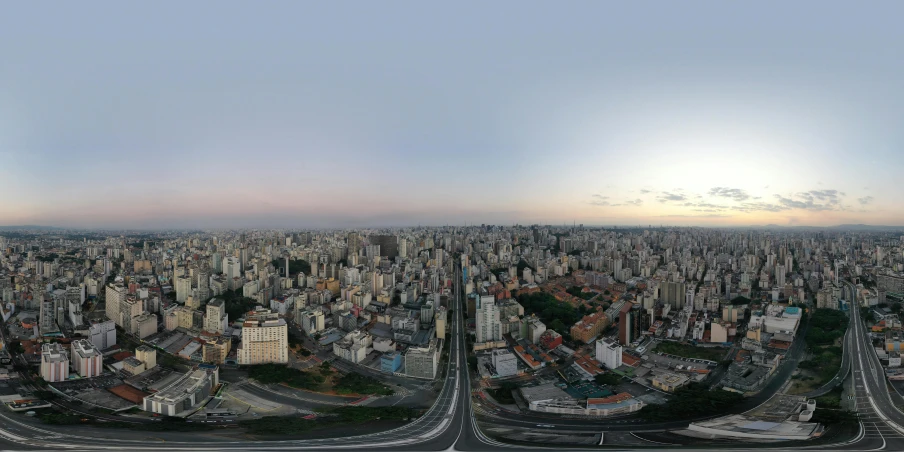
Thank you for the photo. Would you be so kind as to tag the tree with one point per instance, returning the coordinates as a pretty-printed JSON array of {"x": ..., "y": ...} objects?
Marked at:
[
  {"x": 557, "y": 325},
  {"x": 739, "y": 300},
  {"x": 607, "y": 379}
]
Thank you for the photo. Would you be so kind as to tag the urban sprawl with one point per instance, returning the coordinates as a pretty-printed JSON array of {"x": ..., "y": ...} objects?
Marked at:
[{"x": 708, "y": 334}]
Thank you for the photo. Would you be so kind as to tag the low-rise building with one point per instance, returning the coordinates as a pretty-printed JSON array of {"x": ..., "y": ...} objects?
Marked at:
[
  {"x": 669, "y": 382},
  {"x": 390, "y": 362},
  {"x": 184, "y": 394},
  {"x": 505, "y": 362}
]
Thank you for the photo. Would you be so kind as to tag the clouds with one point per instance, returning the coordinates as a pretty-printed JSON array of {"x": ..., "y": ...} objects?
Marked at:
[
  {"x": 599, "y": 200},
  {"x": 732, "y": 193},
  {"x": 603, "y": 201},
  {"x": 735, "y": 202},
  {"x": 667, "y": 197}
]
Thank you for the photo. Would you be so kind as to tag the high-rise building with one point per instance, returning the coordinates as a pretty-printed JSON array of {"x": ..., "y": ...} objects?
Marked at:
[
  {"x": 264, "y": 339},
  {"x": 311, "y": 321},
  {"x": 54, "y": 363},
  {"x": 87, "y": 360},
  {"x": 354, "y": 243},
  {"x": 232, "y": 267},
  {"x": 422, "y": 362},
  {"x": 203, "y": 284},
  {"x": 115, "y": 294},
  {"x": 628, "y": 323},
  {"x": 609, "y": 353},
  {"x": 389, "y": 244},
  {"x": 103, "y": 334},
  {"x": 183, "y": 288},
  {"x": 144, "y": 324},
  {"x": 216, "y": 319},
  {"x": 489, "y": 328}
]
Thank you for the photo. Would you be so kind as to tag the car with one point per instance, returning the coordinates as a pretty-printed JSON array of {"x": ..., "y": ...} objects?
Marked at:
[{"x": 546, "y": 426}]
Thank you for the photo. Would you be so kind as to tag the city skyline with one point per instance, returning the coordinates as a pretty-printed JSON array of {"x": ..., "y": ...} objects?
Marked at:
[{"x": 303, "y": 115}]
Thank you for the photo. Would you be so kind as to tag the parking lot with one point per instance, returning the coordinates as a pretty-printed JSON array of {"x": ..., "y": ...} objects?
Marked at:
[{"x": 86, "y": 384}]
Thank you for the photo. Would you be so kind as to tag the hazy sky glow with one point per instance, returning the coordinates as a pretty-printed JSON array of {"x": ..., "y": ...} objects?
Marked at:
[{"x": 232, "y": 114}]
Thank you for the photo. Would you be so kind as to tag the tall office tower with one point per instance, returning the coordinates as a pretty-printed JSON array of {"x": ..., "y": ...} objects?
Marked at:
[
  {"x": 216, "y": 319},
  {"x": 629, "y": 323},
  {"x": 183, "y": 288},
  {"x": 216, "y": 262},
  {"x": 354, "y": 243},
  {"x": 203, "y": 284},
  {"x": 780, "y": 276},
  {"x": 232, "y": 267},
  {"x": 115, "y": 295},
  {"x": 489, "y": 328},
  {"x": 404, "y": 248},
  {"x": 389, "y": 244}
]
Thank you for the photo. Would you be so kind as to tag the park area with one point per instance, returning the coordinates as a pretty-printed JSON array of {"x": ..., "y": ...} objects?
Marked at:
[
  {"x": 824, "y": 352},
  {"x": 319, "y": 379}
]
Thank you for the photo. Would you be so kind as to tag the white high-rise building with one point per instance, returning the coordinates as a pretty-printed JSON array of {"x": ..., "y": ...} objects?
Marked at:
[
  {"x": 216, "y": 319},
  {"x": 311, "y": 321},
  {"x": 103, "y": 334},
  {"x": 54, "y": 363},
  {"x": 87, "y": 360},
  {"x": 780, "y": 276},
  {"x": 232, "y": 267},
  {"x": 264, "y": 339},
  {"x": 609, "y": 353},
  {"x": 115, "y": 294},
  {"x": 489, "y": 328},
  {"x": 183, "y": 288}
]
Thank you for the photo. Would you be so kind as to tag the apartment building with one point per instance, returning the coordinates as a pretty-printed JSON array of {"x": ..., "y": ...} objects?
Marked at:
[
  {"x": 54, "y": 363},
  {"x": 421, "y": 362},
  {"x": 87, "y": 360},
  {"x": 264, "y": 339}
]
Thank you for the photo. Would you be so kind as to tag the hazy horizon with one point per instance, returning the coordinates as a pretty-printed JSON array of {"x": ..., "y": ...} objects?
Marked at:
[{"x": 294, "y": 114}]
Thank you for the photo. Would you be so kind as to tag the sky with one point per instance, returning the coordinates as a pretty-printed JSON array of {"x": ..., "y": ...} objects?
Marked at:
[{"x": 354, "y": 114}]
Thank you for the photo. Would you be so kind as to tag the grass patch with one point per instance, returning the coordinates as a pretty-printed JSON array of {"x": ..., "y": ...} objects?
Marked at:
[
  {"x": 288, "y": 425},
  {"x": 824, "y": 363},
  {"x": 690, "y": 402},
  {"x": 355, "y": 383},
  {"x": 690, "y": 351},
  {"x": 279, "y": 373}
]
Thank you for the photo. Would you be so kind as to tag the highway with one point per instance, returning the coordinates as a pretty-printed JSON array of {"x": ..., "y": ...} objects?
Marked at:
[{"x": 882, "y": 422}]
